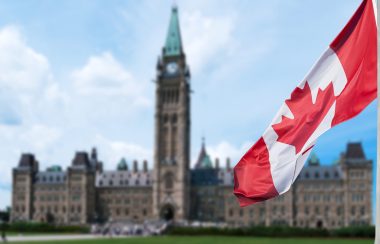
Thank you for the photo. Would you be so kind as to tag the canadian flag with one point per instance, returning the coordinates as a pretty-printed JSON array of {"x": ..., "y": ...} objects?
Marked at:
[{"x": 338, "y": 87}]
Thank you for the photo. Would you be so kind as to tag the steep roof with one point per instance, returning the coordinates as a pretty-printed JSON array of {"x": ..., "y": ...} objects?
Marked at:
[
  {"x": 122, "y": 165},
  {"x": 204, "y": 161},
  {"x": 355, "y": 151},
  {"x": 173, "y": 44}
]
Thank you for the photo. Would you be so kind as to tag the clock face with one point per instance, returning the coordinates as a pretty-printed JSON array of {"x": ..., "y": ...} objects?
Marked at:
[{"x": 172, "y": 68}]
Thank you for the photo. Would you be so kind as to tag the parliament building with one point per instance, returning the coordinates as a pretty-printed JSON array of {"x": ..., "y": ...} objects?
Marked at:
[{"x": 323, "y": 196}]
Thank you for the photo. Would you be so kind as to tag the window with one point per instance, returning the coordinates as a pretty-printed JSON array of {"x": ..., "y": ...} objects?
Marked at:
[
  {"x": 326, "y": 211},
  {"x": 339, "y": 211},
  {"x": 174, "y": 118},
  {"x": 169, "y": 178},
  {"x": 262, "y": 212},
  {"x": 251, "y": 213}
]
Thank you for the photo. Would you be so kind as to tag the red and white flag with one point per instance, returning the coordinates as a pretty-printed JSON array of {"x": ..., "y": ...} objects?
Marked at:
[{"x": 339, "y": 86}]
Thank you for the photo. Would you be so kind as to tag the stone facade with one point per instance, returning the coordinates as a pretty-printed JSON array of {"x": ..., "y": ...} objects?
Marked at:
[
  {"x": 322, "y": 196},
  {"x": 328, "y": 196}
]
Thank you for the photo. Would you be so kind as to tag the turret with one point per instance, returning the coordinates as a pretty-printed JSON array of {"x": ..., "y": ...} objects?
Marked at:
[
  {"x": 228, "y": 163},
  {"x": 145, "y": 166},
  {"x": 135, "y": 166}
]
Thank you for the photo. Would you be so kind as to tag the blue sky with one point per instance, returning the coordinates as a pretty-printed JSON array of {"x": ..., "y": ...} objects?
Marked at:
[{"x": 77, "y": 74}]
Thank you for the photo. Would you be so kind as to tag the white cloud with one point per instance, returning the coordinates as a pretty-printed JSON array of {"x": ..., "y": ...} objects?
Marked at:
[
  {"x": 206, "y": 37},
  {"x": 22, "y": 69},
  {"x": 113, "y": 150},
  {"x": 26, "y": 80},
  {"x": 103, "y": 75},
  {"x": 40, "y": 137},
  {"x": 224, "y": 150}
]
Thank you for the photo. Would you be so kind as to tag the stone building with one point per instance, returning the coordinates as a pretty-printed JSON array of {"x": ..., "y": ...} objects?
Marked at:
[{"x": 323, "y": 196}]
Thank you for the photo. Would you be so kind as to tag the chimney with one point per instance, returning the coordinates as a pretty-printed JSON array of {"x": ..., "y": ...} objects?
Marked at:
[
  {"x": 145, "y": 165},
  {"x": 135, "y": 166},
  {"x": 228, "y": 163},
  {"x": 217, "y": 163},
  {"x": 94, "y": 154}
]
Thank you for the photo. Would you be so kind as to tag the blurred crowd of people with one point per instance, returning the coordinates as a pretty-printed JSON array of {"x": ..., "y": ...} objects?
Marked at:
[{"x": 124, "y": 228}]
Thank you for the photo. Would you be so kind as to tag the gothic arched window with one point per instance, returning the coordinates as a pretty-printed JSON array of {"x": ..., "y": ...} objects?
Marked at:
[{"x": 169, "y": 180}]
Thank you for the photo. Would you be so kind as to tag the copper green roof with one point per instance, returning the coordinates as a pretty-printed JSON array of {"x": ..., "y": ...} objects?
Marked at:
[
  {"x": 173, "y": 44},
  {"x": 204, "y": 161},
  {"x": 54, "y": 168},
  {"x": 313, "y": 160},
  {"x": 122, "y": 165}
]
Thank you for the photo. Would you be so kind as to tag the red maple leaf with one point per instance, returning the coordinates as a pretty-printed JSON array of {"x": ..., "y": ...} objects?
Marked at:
[{"x": 307, "y": 115}]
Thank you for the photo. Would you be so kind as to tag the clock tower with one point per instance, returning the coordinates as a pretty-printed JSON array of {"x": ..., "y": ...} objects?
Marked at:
[{"x": 172, "y": 129}]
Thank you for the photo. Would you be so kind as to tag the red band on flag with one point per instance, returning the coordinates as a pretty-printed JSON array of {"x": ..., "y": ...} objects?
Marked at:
[
  {"x": 356, "y": 47},
  {"x": 254, "y": 179}
]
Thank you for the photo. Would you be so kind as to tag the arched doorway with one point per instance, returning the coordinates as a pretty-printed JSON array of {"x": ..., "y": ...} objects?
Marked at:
[
  {"x": 319, "y": 224},
  {"x": 167, "y": 213}
]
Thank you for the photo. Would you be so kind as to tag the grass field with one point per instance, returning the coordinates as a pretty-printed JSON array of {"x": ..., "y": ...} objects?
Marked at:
[{"x": 212, "y": 240}]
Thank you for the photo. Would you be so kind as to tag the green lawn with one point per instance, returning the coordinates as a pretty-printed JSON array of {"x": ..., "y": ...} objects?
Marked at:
[{"x": 212, "y": 240}]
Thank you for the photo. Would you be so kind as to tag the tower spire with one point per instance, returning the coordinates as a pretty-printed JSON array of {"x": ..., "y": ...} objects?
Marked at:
[{"x": 173, "y": 44}]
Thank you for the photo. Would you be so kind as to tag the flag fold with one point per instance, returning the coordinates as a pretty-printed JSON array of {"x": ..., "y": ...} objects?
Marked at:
[{"x": 338, "y": 87}]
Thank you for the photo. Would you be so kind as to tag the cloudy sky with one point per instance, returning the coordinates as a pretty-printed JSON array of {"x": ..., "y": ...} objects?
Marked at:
[{"x": 76, "y": 74}]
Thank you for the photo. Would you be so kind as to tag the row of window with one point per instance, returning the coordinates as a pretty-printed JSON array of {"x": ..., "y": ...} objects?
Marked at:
[
  {"x": 241, "y": 212},
  {"x": 57, "y": 178},
  {"x": 170, "y": 96},
  {"x": 321, "y": 186},
  {"x": 322, "y": 198},
  {"x": 326, "y": 175},
  {"x": 125, "y": 201},
  {"x": 51, "y": 188},
  {"x": 357, "y": 174},
  {"x": 123, "y": 182},
  {"x": 121, "y": 175}
]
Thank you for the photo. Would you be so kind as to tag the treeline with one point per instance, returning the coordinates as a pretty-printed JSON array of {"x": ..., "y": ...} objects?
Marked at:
[
  {"x": 276, "y": 231},
  {"x": 24, "y": 227}
]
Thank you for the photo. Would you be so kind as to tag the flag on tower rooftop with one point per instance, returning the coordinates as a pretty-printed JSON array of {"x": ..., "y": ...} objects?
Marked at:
[{"x": 338, "y": 87}]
